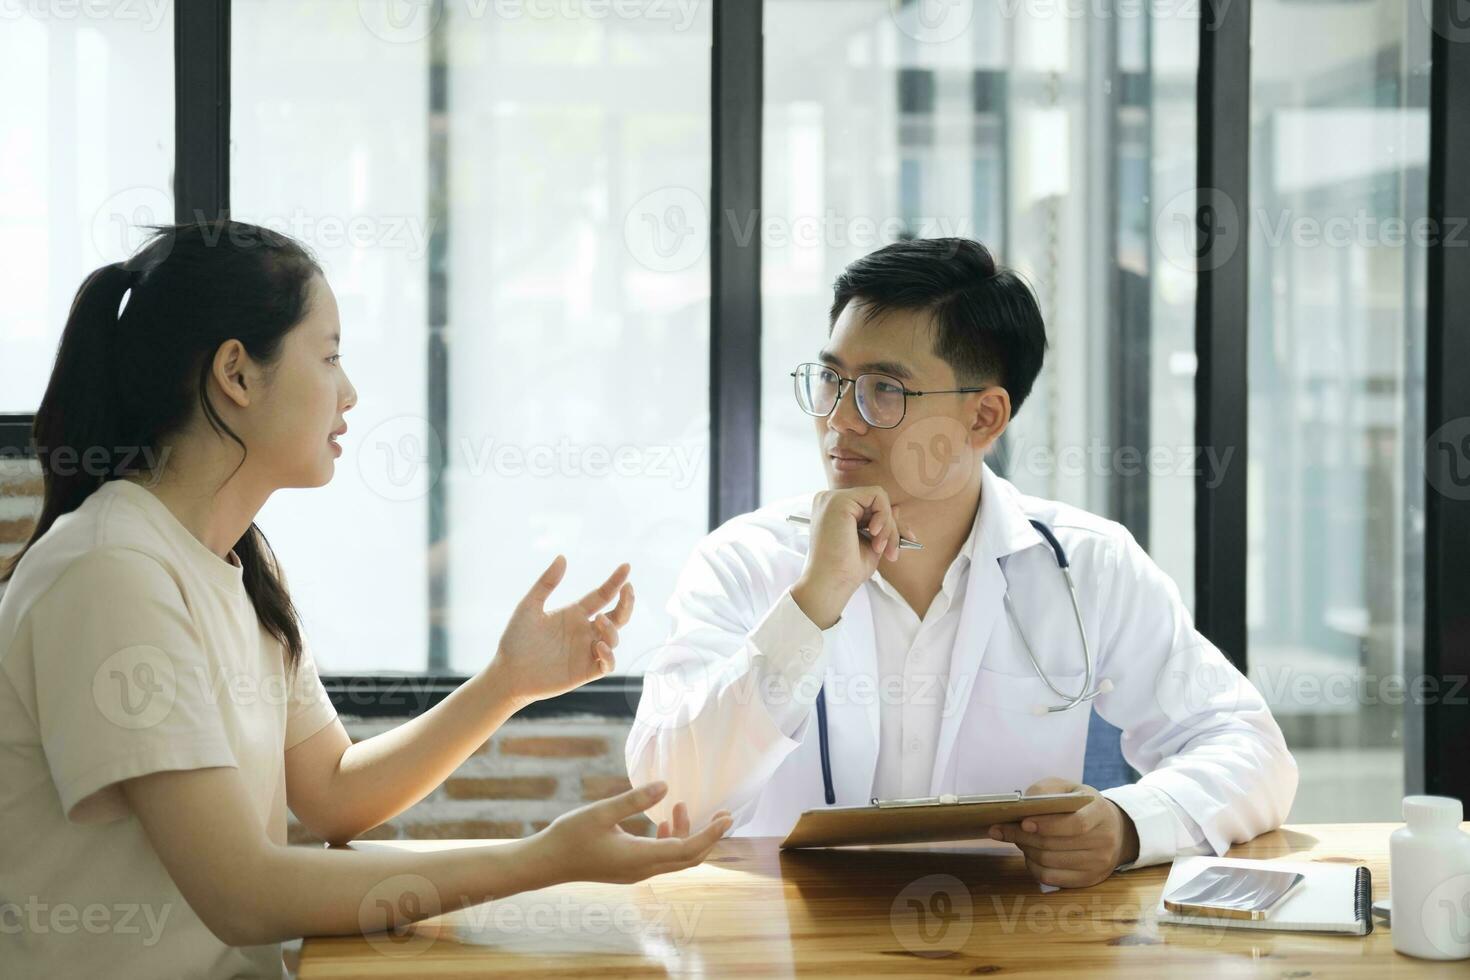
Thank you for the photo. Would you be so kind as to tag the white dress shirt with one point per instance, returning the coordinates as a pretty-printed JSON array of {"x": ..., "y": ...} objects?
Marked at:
[{"x": 913, "y": 668}]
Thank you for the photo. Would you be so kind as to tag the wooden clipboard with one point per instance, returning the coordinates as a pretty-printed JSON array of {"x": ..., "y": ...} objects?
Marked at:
[{"x": 939, "y": 818}]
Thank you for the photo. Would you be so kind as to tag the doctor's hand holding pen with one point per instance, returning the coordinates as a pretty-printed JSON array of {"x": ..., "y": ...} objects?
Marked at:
[{"x": 839, "y": 558}]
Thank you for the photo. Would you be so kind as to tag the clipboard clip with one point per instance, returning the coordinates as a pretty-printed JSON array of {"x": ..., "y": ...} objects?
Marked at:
[{"x": 950, "y": 799}]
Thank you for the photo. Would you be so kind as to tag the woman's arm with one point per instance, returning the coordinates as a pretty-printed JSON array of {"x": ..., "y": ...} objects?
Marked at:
[
  {"x": 248, "y": 890},
  {"x": 338, "y": 790}
]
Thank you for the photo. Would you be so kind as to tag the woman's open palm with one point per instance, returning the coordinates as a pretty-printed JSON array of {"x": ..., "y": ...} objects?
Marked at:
[{"x": 544, "y": 653}]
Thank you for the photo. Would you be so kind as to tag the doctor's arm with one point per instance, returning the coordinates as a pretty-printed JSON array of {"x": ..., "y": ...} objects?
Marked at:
[
  {"x": 1215, "y": 767},
  {"x": 730, "y": 693}
]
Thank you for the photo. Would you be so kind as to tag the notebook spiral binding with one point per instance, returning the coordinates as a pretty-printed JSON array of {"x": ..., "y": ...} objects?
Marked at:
[{"x": 1363, "y": 898}]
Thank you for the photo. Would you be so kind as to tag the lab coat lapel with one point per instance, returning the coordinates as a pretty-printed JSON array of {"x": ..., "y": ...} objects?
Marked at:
[
  {"x": 983, "y": 606},
  {"x": 1003, "y": 530},
  {"x": 852, "y": 703}
]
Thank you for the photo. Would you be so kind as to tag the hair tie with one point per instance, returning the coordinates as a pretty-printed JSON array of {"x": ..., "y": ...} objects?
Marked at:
[
  {"x": 125, "y": 300},
  {"x": 133, "y": 274}
]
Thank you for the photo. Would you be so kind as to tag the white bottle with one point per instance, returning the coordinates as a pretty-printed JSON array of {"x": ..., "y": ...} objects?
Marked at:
[{"x": 1429, "y": 880}]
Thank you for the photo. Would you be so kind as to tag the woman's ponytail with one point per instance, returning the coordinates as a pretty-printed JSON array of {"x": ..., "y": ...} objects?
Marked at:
[
  {"x": 133, "y": 369},
  {"x": 76, "y": 427}
]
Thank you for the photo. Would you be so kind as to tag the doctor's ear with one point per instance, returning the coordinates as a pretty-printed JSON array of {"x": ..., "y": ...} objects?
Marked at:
[{"x": 991, "y": 413}]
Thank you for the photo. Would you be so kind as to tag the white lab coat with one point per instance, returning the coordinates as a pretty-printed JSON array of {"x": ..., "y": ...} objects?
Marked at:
[{"x": 1197, "y": 730}]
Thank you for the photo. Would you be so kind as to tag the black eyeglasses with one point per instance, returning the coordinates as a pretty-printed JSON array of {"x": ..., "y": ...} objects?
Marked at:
[{"x": 882, "y": 401}]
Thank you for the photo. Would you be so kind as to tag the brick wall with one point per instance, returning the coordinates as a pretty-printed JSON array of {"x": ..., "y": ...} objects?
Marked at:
[
  {"x": 20, "y": 502},
  {"x": 526, "y": 775}
]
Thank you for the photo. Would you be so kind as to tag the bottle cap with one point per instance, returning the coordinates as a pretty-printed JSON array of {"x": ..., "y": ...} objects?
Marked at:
[{"x": 1433, "y": 812}]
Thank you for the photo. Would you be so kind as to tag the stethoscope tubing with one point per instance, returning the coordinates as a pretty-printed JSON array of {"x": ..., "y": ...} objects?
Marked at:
[{"x": 1072, "y": 700}]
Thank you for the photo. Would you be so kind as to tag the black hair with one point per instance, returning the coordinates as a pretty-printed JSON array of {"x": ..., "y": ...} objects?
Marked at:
[
  {"x": 987, "y": 324},
  {"x": 125, "y": 381}
]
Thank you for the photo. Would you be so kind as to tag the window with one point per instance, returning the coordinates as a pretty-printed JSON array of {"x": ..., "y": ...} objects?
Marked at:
[
  {"x": 1340, "y": 141},
  {"x": 497, "y": 199},
  {"x": 86, "y": 152},
  {"x": 1060, "y": 142}
]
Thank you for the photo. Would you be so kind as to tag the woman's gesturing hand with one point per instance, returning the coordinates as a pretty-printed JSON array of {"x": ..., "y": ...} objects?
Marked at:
[
  {"x": 544, "y": 653},
  {"x": 588, "y": 845}
]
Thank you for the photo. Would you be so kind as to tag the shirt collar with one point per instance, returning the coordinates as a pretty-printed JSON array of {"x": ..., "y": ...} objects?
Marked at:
[
  {"x": 1002, "y": 525},
  {"x": 227, "y": 572},
  {"x": 1000, "y": 528}
]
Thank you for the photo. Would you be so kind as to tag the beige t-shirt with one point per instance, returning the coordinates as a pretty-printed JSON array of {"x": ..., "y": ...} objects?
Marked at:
[{"x": 128, "y": 647}]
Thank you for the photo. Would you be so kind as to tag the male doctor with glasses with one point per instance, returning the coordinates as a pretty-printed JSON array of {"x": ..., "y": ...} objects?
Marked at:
[{"x": 817, "y": 660}]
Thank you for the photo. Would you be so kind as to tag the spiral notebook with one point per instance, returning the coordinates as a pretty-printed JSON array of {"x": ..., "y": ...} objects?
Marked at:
[{"x": 1330, "y": 898}]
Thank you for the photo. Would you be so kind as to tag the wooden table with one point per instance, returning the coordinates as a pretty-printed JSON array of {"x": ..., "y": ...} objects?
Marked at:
[{"x": 752, "y": 910}]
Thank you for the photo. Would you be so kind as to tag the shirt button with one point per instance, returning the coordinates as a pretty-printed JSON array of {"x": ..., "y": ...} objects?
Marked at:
[
  {"x": 915, "y": 744},
  {"x": 809, "y": 655}
]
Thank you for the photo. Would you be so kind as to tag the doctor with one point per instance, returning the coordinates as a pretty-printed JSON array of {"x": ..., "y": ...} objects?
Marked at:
[{"x": 823, "y": 663}]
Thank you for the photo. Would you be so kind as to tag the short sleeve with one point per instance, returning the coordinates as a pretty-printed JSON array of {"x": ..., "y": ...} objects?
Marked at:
[
  {"x": 310, "y": 707},
  {"x": 112, "y": 640}
]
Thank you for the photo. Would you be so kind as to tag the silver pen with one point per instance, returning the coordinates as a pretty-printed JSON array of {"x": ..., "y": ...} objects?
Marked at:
[
  {"x": 904, "y": 544},
  {"x": 950, "y": 799}
]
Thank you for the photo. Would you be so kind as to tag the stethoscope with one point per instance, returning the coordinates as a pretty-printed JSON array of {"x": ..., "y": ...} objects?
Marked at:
[{"x": 1072, "y": 700}]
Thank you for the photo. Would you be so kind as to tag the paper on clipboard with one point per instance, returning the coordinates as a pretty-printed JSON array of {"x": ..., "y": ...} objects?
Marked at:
[{"x": 944, "y": 818}]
